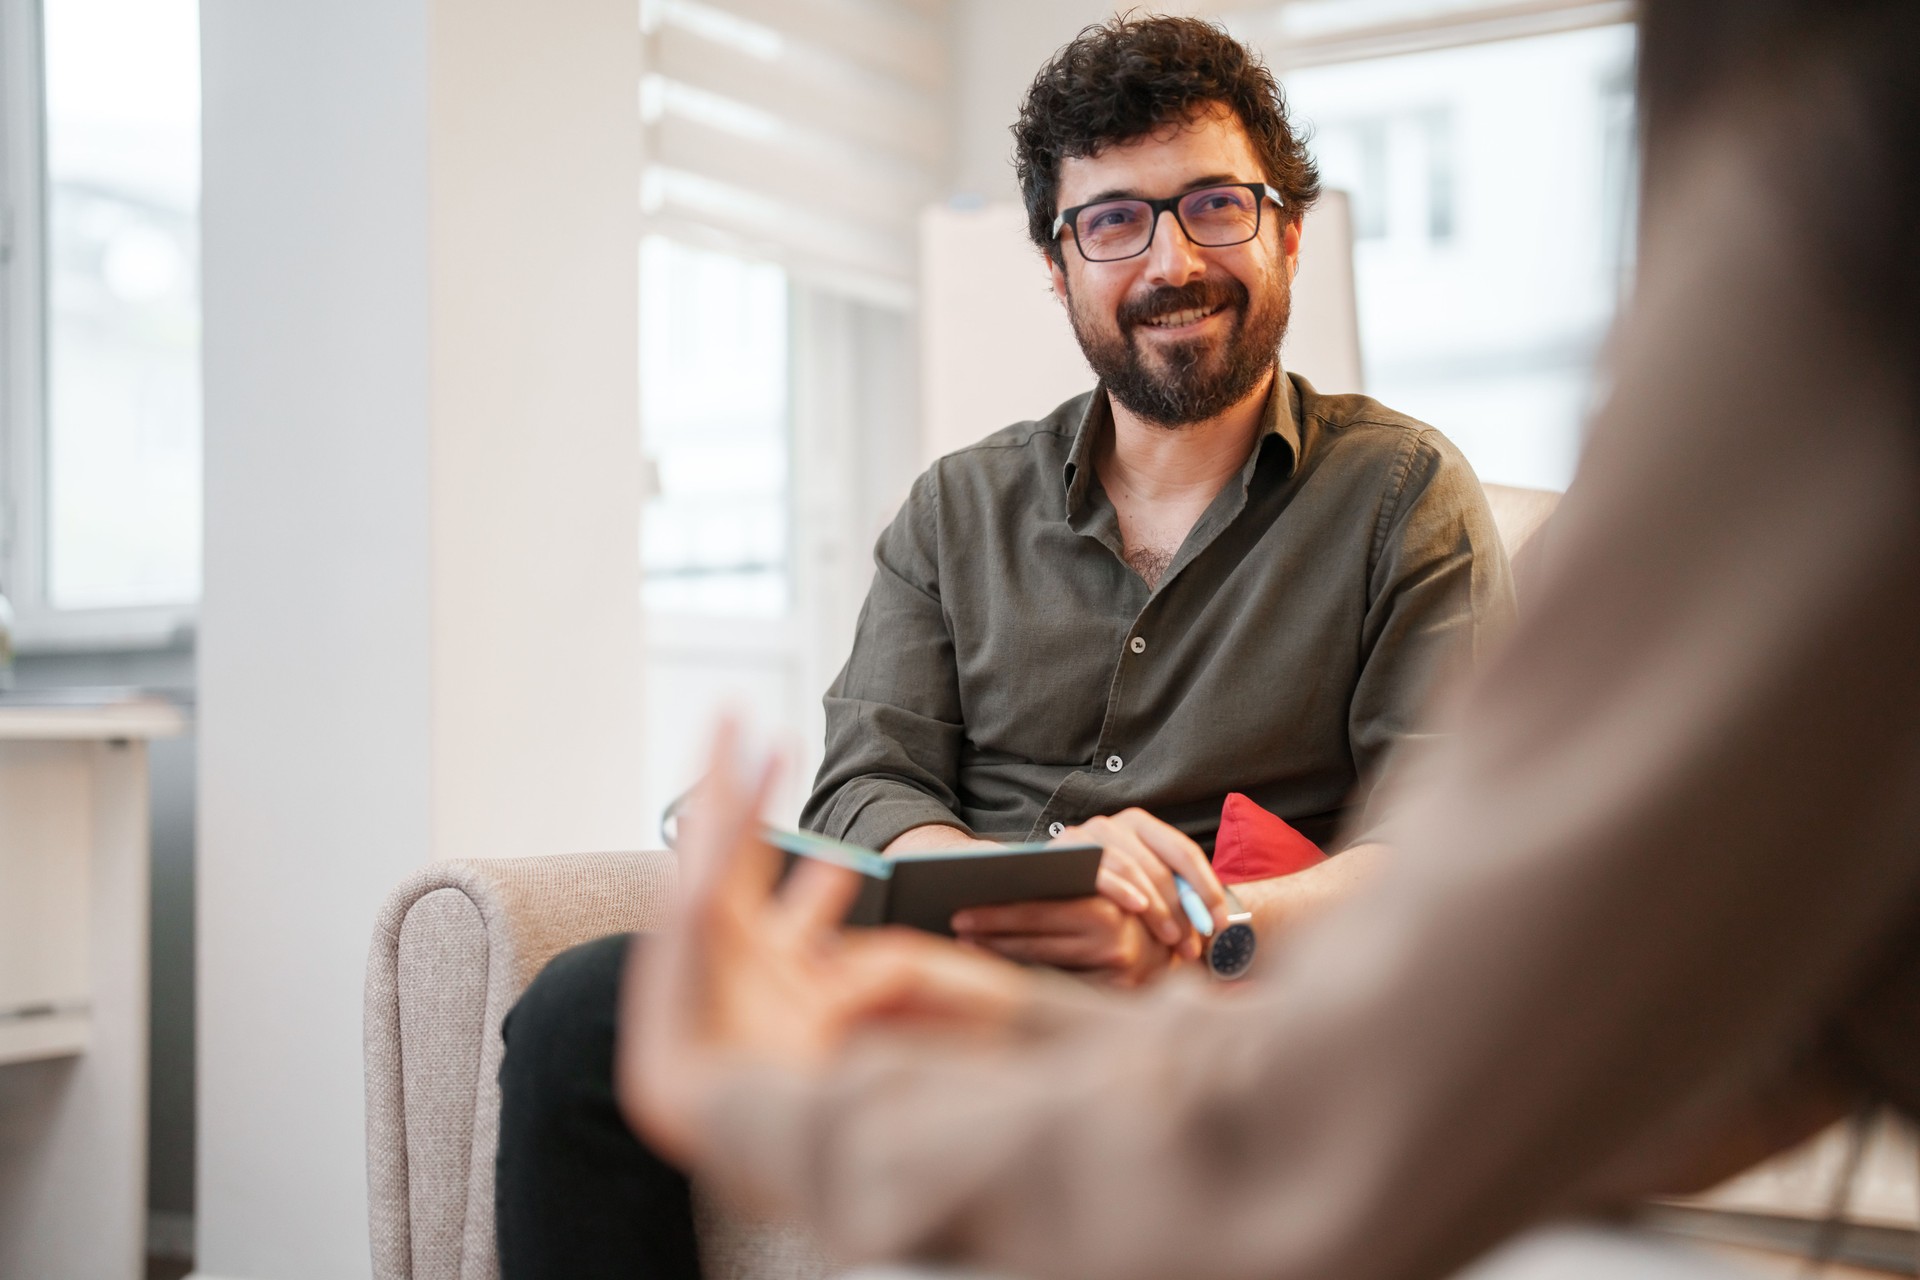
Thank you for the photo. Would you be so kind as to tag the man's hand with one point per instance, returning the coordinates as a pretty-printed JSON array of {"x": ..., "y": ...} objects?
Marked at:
[
  {"x": 1091, "y": 935},
  {"x": 1141, "y": 856},
  {"x": 746, "y": 976},
  {"x": 1135, "y": 929}
]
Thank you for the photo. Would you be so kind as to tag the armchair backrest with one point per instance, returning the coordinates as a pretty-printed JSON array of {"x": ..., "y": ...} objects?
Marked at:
[{"x": 454, "y": 948}]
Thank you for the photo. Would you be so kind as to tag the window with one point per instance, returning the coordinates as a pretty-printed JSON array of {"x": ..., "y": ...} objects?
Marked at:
[
  {"x": 1398, "y": 169},
  {"x": 102, "y": 357},
  {"x": 714, "y": 422},
  {"x": 1488, "y": 151},
  {"x": 789, "y": 147}
]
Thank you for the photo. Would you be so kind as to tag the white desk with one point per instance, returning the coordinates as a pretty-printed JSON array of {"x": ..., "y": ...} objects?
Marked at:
[{"x": 74, "y": 904}]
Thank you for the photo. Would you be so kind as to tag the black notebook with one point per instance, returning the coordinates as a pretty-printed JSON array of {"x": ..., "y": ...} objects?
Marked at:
[{"x": 925, "y": 889}]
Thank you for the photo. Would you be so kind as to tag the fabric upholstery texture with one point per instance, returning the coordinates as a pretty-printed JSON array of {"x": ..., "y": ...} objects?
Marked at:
[
  {"x": 441, "y": 964},
  {"x": 452, "y": 950}
]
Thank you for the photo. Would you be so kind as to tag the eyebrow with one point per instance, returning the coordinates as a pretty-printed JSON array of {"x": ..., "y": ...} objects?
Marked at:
[{"x": 1127, "y": 193}]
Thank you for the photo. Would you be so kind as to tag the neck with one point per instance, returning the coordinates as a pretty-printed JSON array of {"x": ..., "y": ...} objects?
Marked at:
[{"x": 1155, "y": 462}]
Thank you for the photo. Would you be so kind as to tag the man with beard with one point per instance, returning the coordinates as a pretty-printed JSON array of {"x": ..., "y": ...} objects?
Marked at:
[{"x": 1201, "y": 577}]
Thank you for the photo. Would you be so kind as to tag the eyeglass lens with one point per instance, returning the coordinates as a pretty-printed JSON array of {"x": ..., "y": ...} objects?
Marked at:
[{"x": 1213, "y": 217}]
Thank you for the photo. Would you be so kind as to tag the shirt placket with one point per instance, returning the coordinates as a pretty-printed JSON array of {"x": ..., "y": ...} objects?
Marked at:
[{"x": 1078, "y": 797}]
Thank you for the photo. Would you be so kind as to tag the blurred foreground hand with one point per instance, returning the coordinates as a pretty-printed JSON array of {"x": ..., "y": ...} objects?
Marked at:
[{"x": 747, "y": 976}]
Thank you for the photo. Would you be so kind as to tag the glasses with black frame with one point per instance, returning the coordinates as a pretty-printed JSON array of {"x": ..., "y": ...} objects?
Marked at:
[{"x": 1212, "y": 217}]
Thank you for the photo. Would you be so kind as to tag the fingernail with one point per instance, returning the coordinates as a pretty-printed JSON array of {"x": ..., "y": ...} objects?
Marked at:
[{"x": 962, "y": 922}]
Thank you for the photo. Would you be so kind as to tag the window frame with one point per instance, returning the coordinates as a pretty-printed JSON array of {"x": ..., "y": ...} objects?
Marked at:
[
  {"x": 1487, "y": 22},
  {"x": 39, "y": 625}
]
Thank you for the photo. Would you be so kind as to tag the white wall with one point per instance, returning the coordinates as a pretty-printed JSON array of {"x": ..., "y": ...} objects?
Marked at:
[
  {"x": 420, "y": 625},
  {"x": 535, "y": 152},
  {"x": 998, "y": 45}
]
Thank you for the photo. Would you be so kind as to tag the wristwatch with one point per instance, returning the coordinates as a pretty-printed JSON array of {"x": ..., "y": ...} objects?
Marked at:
[{"x": 1230, "y": 951}]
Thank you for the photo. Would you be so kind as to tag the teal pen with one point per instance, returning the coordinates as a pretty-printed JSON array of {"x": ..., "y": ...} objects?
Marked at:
[{"x": 1196, "y": 909}]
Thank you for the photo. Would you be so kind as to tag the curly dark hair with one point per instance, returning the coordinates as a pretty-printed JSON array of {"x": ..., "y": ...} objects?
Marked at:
[{"x": 1122, "y": 79}]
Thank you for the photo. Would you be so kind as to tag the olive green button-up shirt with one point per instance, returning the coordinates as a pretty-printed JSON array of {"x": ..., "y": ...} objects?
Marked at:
[{"x": 1012, "y": 674}]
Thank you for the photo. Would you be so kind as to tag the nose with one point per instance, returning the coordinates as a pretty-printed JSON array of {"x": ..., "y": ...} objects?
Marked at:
[{"x": 1172, "y": 258}]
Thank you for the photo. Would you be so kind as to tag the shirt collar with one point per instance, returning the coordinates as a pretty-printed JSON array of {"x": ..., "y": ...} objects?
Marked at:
[{"x": 1281, "y": 420}]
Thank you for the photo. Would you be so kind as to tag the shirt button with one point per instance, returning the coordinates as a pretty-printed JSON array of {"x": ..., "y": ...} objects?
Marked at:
[
  {"x": 1055, "y": 828},
  {"x": 1138, "y": 644},
  {"x": 1114, "y": 763}
]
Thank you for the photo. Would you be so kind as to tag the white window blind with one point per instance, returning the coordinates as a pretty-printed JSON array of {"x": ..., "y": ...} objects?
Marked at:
[
  {"x": 810, "y": 132},
  {"x": 1303, "y": 33}
]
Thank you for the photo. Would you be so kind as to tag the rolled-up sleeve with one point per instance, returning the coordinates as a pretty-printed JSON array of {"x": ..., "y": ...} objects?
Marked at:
[
  {"x": 1439, "y": 593},
  {"x": 893, "y": 714}
]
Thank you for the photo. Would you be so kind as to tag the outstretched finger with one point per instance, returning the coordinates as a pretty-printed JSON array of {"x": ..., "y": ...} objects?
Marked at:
[
  {"x": 724, "y": 861},
  {"x": 815, "y": 898}
]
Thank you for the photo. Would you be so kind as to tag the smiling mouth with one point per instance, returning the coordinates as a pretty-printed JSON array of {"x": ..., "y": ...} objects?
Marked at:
[{"x": 1182, "y": 318}]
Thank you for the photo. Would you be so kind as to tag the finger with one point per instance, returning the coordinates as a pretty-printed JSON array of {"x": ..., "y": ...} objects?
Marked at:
[
  {"x": 1122, "y": 891},
  {"x": 1164, "y": 916},
  {"x": 1178, "y": 851},
  {"x": 727, "y": 866},
  {"x": 1062, "y": 951},
  {"x": 655, "y": 1043},
  {"x": 815, "y": 898},
  {"x": 910, "y": 974},
  {"x": 1067, "y": 916},
  {"x": 1125, "y": 857}
]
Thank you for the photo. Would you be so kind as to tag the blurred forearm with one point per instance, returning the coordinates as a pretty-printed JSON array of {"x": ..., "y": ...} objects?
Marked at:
[{"x": 1284, "y": 902}]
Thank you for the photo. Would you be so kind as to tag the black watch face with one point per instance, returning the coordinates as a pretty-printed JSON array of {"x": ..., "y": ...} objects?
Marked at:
[{"x": 1231, "y": 953}]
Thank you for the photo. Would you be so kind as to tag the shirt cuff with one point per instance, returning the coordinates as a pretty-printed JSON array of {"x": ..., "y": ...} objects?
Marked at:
[{"x": 874, "y": 814}]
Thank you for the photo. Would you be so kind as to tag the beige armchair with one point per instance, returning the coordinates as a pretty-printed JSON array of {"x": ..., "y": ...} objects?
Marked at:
[{"x": 455, "y": 946}]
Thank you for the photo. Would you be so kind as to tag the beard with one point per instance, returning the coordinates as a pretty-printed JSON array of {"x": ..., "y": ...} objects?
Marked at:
[{"x": 1174, "y": 385}]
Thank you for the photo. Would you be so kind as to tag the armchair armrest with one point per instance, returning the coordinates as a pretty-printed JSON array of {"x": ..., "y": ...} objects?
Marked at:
[{"x": 454, "y": 947}]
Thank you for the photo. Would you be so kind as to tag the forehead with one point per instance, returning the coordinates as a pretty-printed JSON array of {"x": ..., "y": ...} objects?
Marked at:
[{"x": 1210, "y": 144}]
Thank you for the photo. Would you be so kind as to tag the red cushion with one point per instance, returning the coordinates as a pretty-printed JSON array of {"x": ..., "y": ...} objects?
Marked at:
[{"x": 1256, "y": 845}]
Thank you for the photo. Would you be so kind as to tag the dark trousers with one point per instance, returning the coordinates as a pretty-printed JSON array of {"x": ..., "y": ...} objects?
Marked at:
[{"x": 577, "y": 1196}]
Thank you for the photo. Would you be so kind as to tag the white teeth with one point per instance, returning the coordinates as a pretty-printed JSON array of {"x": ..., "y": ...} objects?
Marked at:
[{"x": 1174, "y": 320}]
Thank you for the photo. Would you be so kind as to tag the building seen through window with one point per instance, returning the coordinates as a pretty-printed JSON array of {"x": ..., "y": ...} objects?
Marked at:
[{"x": 1492, "y": 203}]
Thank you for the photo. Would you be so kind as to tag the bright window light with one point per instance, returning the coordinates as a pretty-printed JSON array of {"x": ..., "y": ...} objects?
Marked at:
[
  {"x": 1492, "y": 190},
  {"x": 123, "y": 302},
  {"x": 714, "y": 424}
]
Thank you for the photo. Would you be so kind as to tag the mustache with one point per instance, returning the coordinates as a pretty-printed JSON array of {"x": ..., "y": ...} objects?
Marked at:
[{"x": 1167, "y": 299}]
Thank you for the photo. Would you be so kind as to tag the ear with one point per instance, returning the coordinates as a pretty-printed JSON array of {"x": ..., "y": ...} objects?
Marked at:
[
  {"x": 1057, "y": 271},
  {"x": 1290, "y": 244}
]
